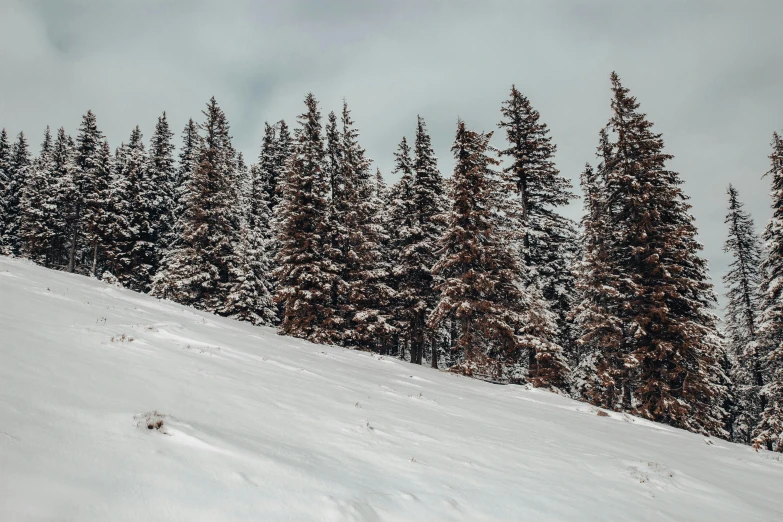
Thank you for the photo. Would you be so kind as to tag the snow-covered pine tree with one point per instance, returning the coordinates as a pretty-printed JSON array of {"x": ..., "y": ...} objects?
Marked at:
[
  {"x": 304, "y": 275},
  {"x": 664, "y": 296},
  {"x": 336, "y": 246},
  {"x": 19, "y": 168},
  {"x": 175, "y": 275},
  {"x": 429, "y": 204},
  {"x": 5, "y": 182},
  {"x": 119, "y": 234},
  {"x": 91, "y": 182},
  {"x": 769, "y": 431},
  {"x": 187, "y": 164},
  {"x": 34, "y": 233},
  {"x": 162, "y": 176},
  {"x": 284, "y": 149},
  {"x": 267, "y": 174},
  {"x": 138, "y": 254},
  {"x": 603, "y": 374},
  {"x": 64, "y": 196},
  {"x": 249, "y": 298},
  {"x": 480, "y": 287},
  {"x": 365, "y": 273},
  {"x": 400, "y": 224},
  {"x": 548, "y": 239},
  {"x": 741, "y": 319}
]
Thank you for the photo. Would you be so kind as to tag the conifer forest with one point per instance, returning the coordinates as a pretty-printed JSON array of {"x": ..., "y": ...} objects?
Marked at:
[{"x": 476, "y": 271}]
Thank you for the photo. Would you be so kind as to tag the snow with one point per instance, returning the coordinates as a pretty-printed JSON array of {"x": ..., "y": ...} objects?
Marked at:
[{"x": 263, "y": 427}]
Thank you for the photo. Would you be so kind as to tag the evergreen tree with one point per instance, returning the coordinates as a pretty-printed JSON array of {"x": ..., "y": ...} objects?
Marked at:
[
  {"x": 162, "y": 176},
  {"x": 304, "y": 275},
  {"x": 662, "y": 299},
  {"x": 603, "y": 375},
  {"x": 481, "y": 287},
  {"x": 284, "y": 150},
  {"x": 416, "y": 284},
  {"x": 62, "y": 222},
  {"x": 741, "y": 318},
  {"x": 19, "y": 169},
  {"x": 173, "y": 279},
  {"x": 5, "y": 182},
  {"x": 124, "y": 211},
  {"x": 34, "y": 233},
  {"x": 548, "y": 239},
  {"x": 183, "y": 177},
  {"x": 365, "y": 272},
  {"x": 401, "y": 226},
  {"x": 336, "y": 247},
  {"x": 91, "y": 181},
  {"x": 769, "y": 432},
  {"x": 250, "y": 299}
]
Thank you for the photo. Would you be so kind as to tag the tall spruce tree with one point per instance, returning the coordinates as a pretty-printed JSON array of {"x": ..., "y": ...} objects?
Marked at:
[
  {"x": 91, "y": 181},
  {"x": 416, "y": 283},
  {"x": 769, "y": 431},
  {"x": 64, "y": 199},
  {"x": 250, "y": 299},
  {"x": 741, "y": 319},
  {"x": 129, "y": 252},
  {"x": 5, "y": 182},
  {"x": 336, "y": 246},
  {"x": 662, "y": 299},
  {"x": 35, "y": 236},
  {"x": 199, "y": 269},
  {"x": 401, "y": 217},
  {"x": 548, "y": 239},
  {"x": 19, "y": 168},
  {"x": 598, "y": 376},
  {"x": 481, "y": 286},
  {"x": 284, "y": 150},
  {"x": 365, "y": 273},
  {"x": 304, "y": 275},
  {"x": 162, "y": 176},
  {"x": 175, "y": 276}
]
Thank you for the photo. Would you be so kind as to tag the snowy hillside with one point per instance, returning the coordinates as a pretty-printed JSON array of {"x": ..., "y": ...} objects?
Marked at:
[{"x": 263, "y": 427}]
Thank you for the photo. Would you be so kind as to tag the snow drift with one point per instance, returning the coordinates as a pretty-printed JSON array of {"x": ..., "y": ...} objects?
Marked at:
[{"x": 254, "y": 426}]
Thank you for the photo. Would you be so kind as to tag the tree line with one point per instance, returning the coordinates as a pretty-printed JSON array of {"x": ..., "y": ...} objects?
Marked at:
[{"x": 479, "y": 273}]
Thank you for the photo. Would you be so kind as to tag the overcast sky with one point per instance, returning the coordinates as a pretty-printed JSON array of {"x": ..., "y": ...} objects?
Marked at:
[{"x": 708, "y": 73}]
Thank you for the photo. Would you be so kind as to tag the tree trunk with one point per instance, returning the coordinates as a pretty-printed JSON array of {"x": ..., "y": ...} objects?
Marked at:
[
  {"x": 72, "y": 252},
  {"x": 95, "y": 259},
  {"x": 434, "y": 362}
]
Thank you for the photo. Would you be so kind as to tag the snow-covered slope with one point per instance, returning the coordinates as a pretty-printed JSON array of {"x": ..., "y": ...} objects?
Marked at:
[{"x": 263, "y": 427}]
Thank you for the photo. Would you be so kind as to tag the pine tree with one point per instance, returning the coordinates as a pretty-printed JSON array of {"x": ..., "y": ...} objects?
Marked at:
[
  {"x": 603, "y": 375},
  {"x": 741, "y": 318},
  {"x": 250, "y": 299},
  {"x": 481, "y": 288},
  {"x": 365, "y": 273},
  {"x": 172, "y": 280},
  {"x": 400, "y": 224},
  {"x": 121, "y": 231},
  {"x": 336, "y": 247},
  {"x": 183, "y": 177},
  {"x": 91, "y": 182},
  {"x": 769, "y": 431},
  {"x": 162, "y": 176},
  {"x": 34, "y": 233},
  {"x": 417, "y": 285},
  {"x": 5, "y": 182},
  {"x": 304, "y": 275},
  {"x": 19, "y": 169},
  {"x": 64, "y": 196},
  {"x": 663, "y": 298},
  {"x": 548, "y": 239}
]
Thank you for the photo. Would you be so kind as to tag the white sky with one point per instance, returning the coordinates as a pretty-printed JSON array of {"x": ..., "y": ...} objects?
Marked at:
[{"x": 706, "y": 72}]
